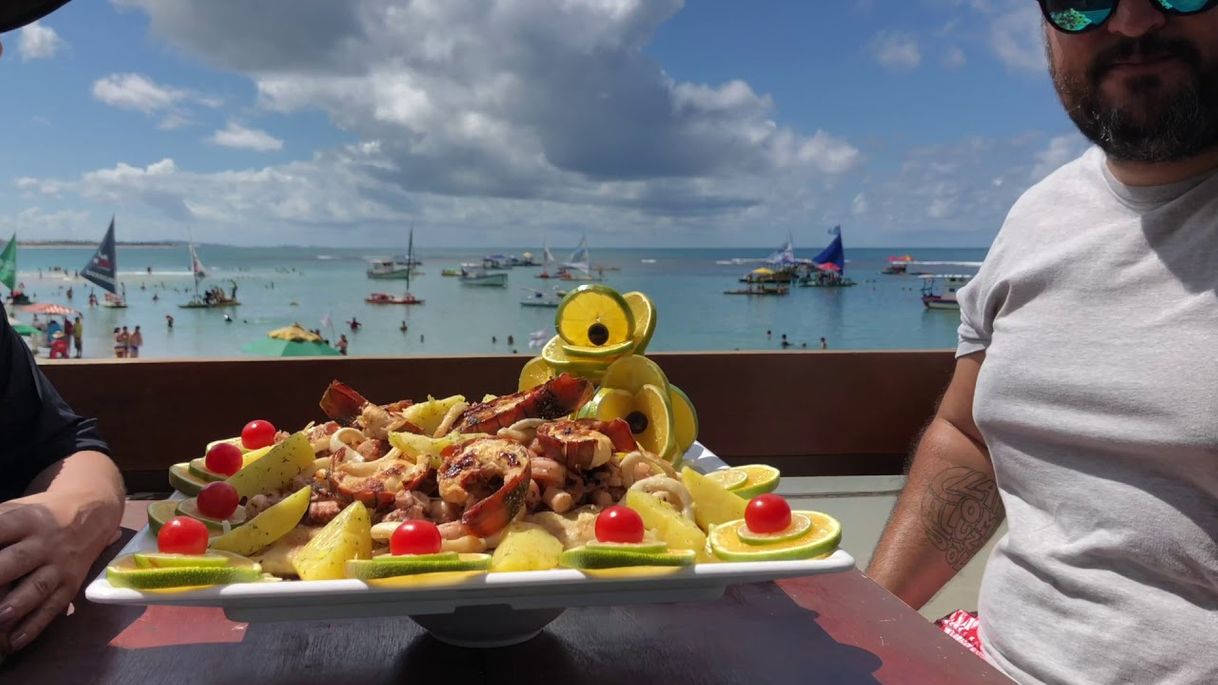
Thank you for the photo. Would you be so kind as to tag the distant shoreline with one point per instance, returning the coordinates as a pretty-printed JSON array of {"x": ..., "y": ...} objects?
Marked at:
[{"x": 48, "y": 244}]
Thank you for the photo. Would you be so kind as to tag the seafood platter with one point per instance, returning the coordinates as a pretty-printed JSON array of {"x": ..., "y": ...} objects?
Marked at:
[{"x": 480, "y": 518}]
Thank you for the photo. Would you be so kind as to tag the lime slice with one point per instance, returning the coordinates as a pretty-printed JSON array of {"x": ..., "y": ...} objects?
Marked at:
[
  {"x": 762, "y": 478},
  {"x": 594, "y": 315},
  {"x": 158, "y": 560},
  {"x": 160, "y": 512},
  {"x": 190, "y": 507},
  {"x": 637, "y": 547},
  {"x": 728, "y": 478},
  {"x": 820, "y": 539},
  {"x": 123, "y": 572},
  {"x": 800, "y": 524},
  {"x": 388, "y": 566},
  {"x": 576, "y": 352},
  {"x": 631, "y": 373},
  {"x": 594, "y": 557},
  {"x": 536, "y": 371},
  {"x": 684, "y": 419},
  {"x": 198, "y": 469},
  {"x": 185, "y": 482},
  {"x": 651, "y": 422},
  {"x": 554, "y": 355},
  {"x": 644, "y": 319}
]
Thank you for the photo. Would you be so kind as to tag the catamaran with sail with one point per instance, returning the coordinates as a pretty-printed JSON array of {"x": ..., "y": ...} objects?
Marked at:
[
  {"x": 8, "y": 273},
  {"x": 102, "y": 270},
  {"x": 578, "y": 266},
  {"x": 215, "y": 296},
  {"x": 407, "y": 298},
  {"x": 829, "y": 267},
  {"x": 547, "y": 260}
]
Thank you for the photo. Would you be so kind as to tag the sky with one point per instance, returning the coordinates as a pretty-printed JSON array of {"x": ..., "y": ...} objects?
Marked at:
[{"x": 649, "y": 123}]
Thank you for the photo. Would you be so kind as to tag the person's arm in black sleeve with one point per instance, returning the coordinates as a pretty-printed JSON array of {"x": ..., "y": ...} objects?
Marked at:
[{"x": 72, "y": 502}]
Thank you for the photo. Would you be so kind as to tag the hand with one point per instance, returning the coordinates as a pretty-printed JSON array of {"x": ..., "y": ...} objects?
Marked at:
[{"x": 47, "y": 549}]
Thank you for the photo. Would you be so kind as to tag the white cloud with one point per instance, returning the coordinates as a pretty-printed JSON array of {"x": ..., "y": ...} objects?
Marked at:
[
  {"x": 238, "y": 136},
  {"x": 1017, "y": 38},
  {"x": 137, "y": 92},
  {"x": 896, "y": 50},
  {"x": 35, "y": 222},
  {"x": 859, "y": 205},
  {"x": 953, "y": 57},
  {"x": 39, "y": 42}
]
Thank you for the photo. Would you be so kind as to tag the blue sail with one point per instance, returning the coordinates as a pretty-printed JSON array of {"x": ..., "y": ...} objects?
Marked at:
[
  {"x": 102, "y": 269},
  {"x": 833, "y": 254}
]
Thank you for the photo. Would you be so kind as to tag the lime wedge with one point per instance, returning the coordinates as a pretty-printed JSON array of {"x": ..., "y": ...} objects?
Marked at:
[
  {"x": 594, "y": 315},
  {"x": 821, "y": 538},
  {"x": 124, "y": 572},
  {"x": 388, "y": 565},
  {"x": 594, "y": 557},
  {"x": 185, "y": 482},
  {"x": 685, "y": 419},
  {"x": 160, "y": 512},
  {"x": 190, "y": 507},
  {"x": 637, "y": 547},
  {"x": 644, "y": 319},
  {"x": 159, "y": 560}
]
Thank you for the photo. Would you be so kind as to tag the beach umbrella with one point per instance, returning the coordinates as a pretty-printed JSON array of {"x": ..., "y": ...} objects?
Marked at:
[
  {"x": 294, "y": 333},
  {"x": 763, "y": 271},
  {"x": 275, "y": 347},
  {"x": 828, "y": 266},
  {"x": 49, "y": 309}
]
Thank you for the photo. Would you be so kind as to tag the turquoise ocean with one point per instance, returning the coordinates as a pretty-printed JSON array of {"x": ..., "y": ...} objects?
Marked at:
[{"x": 284, "y": 285}]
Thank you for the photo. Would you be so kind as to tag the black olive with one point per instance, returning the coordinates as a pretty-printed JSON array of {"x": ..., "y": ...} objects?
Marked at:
[
  {"x": 638, "y": 422},
  {"x": 598, "y": 334}
]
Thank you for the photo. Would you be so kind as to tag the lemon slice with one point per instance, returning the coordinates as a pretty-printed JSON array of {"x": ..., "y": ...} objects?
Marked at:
[
  {"x": 651, "y": 422},
  {"x": 684, "y": 418},
  {"x": 592, "y": 368},
  {"x": 821, "y": 538},
  {"x": 578, "y": 352},
  {"x": 644, "y": 319},
  {"x": 594, "y": 315},
  {"x": 631, "y": 373},
  {"x": 729, "y": 478},
  {"x": 535, "y": 372},
  {"x": 800, "y": 524}
]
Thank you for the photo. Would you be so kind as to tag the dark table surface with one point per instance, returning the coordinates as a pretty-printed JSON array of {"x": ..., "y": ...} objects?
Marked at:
[{"x": 834, "y": 628}]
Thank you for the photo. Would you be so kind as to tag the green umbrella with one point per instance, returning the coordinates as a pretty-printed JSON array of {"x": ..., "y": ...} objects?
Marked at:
[
  {"x": 24, "y": 329},
  {"x": 274, "y": 347}
]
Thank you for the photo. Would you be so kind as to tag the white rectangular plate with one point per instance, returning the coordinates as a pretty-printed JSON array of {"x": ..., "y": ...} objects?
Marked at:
[{"x": 332, "y": 599}]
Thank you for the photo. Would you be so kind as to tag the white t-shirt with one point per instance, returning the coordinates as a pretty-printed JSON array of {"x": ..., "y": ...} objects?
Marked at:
[{"x": 1097, "y": 307}]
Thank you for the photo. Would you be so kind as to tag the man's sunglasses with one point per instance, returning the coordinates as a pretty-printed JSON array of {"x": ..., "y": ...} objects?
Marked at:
[{"x": 1079, "y": 16}]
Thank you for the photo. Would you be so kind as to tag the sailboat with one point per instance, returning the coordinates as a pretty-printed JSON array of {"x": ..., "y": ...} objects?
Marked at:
[
  {"x": 830, "y": 266},
  {"x": 102, "y": 270},
  {"x": 782, "y": 264},
  {"x": 8, "y": 273},
  {"x": 386, "y": 298},
  {"x": 547, "y": 259},
  {"x": 215, "y": 296},
  {"x": 578, "y": 266}
]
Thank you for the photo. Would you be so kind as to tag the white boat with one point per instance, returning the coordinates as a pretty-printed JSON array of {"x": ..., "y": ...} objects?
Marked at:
[
  {"x": 388, "y": 268},
  {"x": 933, "y": 298},
  {"x": 407, "y": 298},
  {"x": 482, "y": 277},
  {"x": 539, "y": 298}
]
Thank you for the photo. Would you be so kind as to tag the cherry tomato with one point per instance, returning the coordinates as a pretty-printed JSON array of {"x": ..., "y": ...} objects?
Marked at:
[
  {"x": 217, "y": 500},
  {"x": 767, "y": 514},
  {"x": 182, "y": 535},
  {"x": 224, "y": 458},
  {"x": 257, "y": 434},
  {"x": 415, "y": 537},
  {"x": 619, "y": 524}
]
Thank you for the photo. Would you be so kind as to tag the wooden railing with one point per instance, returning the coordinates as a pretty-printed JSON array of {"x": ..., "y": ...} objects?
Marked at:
[{"x": 808, "y": 413}]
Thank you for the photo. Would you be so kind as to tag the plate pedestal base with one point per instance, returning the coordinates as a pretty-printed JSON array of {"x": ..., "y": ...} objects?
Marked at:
[{"x": 496, "y": 625}]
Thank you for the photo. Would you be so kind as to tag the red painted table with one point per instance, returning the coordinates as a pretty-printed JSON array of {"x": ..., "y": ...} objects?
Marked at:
[{"x": 837, "y": 628}]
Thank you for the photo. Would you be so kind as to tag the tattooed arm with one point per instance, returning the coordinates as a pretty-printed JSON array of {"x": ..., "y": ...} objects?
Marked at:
[{"x": 950, "y": 505}]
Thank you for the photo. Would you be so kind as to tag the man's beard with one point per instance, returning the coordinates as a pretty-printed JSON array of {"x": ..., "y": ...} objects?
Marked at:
[{"x": 1171, "y": 126}]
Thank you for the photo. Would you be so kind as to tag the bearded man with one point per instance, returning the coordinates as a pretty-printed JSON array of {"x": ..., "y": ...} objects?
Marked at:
[{"x": 1084, "y": 403}]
